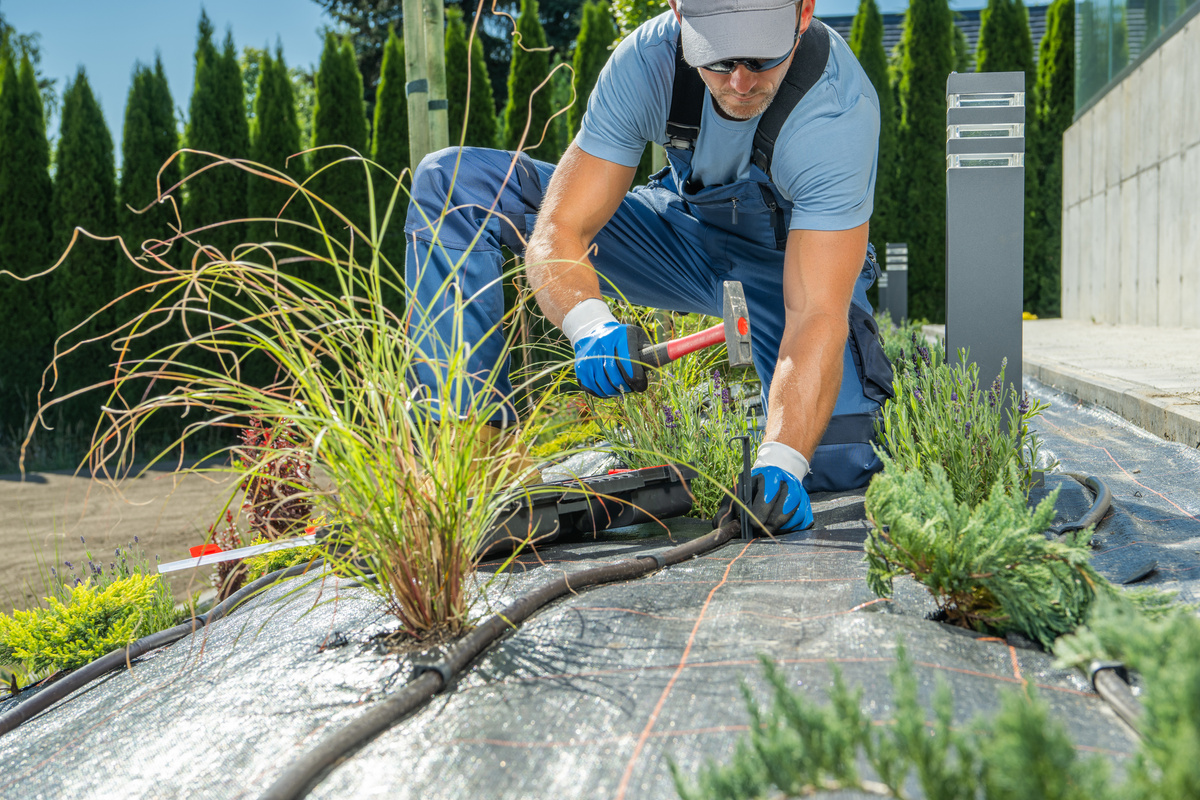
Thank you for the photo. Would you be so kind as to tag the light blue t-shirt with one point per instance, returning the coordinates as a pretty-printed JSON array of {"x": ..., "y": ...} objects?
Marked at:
[{"x": 826, "y": 155}]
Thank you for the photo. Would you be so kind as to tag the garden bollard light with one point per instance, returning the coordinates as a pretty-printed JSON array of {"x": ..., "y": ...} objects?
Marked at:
[
  {"x": 895, "y": 281},
  {"x": 985, "y": 218}
]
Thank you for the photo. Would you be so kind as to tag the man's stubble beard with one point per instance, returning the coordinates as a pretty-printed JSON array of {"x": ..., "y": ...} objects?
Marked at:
[{"x": 743, "y": 113}]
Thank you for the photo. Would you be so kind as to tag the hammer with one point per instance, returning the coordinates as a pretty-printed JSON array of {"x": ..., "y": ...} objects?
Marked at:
[{"x": 734, "y": 331}]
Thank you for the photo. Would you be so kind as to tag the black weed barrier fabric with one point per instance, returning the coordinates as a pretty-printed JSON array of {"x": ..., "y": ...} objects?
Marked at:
[
  {"x": 593, "y": 695},
  {"x": 1151, "y": 535}
]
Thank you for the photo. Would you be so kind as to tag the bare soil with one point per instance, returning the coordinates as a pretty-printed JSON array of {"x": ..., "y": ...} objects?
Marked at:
[{"x": 44, "y": 516}]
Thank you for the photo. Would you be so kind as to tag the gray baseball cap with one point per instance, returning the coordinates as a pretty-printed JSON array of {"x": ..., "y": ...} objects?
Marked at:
[{"x": 714, "y": 30}]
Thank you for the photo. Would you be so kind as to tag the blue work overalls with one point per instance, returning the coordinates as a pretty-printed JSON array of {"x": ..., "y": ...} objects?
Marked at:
[{"x": 664, "y": 248}]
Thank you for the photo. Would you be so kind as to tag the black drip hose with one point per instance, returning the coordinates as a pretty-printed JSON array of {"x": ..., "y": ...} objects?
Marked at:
[
  {"x": 1096, "y": 512},
  {"x": 1109, "y": 679},
  {"x": 89, "y": 672},
  {"x": 304, "y": 773}
]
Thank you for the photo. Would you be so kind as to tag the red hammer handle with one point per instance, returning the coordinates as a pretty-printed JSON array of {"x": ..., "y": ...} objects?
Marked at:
[{"x": 659, "y": 354}]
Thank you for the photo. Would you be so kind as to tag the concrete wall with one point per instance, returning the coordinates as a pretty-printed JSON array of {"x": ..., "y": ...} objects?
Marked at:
[{"x": 1131, "y": 195}]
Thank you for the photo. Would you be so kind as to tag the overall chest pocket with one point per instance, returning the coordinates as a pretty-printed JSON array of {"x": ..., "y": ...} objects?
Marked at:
[{"x": 746, "y": 209}]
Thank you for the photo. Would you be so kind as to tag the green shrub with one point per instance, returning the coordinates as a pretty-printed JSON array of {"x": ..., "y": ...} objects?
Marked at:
[
  {"x": 1164, "y": 648},
  {"x": 567, "y": 440},
  {"x": 258, "y": 566},
  {"x": 797, "y": 748},
  {"x": 91, "y": 621},
  {"x": 943, "y": 416},
  {"x": 988, "y": 567}
]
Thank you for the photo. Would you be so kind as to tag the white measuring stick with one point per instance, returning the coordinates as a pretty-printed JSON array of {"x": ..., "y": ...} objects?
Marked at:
[{"x": 241, "y": 552}]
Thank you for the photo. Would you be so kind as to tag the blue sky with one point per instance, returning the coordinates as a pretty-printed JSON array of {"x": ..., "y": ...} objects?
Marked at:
[{"x": 107, "y": 37}]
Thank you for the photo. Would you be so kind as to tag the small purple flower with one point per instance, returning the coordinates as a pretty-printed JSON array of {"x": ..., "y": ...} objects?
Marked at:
[
  {"x": 917, "y": 394},
  {"x": 967, "y": 430},
  {"x": 726, "y": 397},
  {"x": 117, "y": 552},
  {"x": 77, "y": 582},
  {"x": 669, "y": 420},
  {"x": 69, "y": 565},
  {"x": 1023, "y": 406},
  {"x": 953, "y": 396},
  {"x": 82, "y": 540},
  {"x": 54, "y": 572},
  {"x": 716, "y": 378},
  {"x": 135, "y": 539}
]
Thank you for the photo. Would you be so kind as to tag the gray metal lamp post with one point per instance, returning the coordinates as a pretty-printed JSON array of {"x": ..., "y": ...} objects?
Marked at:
[
  {"x": 896, "y": 282},
  {"x": 985, "y": 219}
]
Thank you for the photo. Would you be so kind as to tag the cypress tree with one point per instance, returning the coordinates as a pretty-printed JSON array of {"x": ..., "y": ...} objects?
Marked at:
[
  {"x": 340, "y": 119},
  {"x": 866, "y": 40},
  {"x": 1055, "y": 97},
  {"x": 530, "y": 66},
  {"x": 390, "y": 146},
  {"x": 216, "y": 124},
  {"x": 963, "y": 62},
  {"x": 275, "y": 143},
  {"x": 927, "y": 48},
  {"x": 480, "y": 118},
  {"x": 85, "y": 196},
  {"x": 1006, "y": 45},
  {"x": 25, "y": 243},
  {"x": 150, "y": 137},
  {"x": 597, "y": 32},
  {"x": 390, "y": 151}
]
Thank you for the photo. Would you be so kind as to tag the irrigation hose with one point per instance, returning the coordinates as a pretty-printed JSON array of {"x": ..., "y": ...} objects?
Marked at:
[
  {"x": 89, "y": 672},
  {"x": 1099, "y": 507},
  {"x": 305, "y": 772},
  {"x": 1109, "y": 681}
]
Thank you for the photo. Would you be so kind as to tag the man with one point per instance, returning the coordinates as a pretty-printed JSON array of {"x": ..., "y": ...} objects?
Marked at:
[{"x": 792, "y": 228}]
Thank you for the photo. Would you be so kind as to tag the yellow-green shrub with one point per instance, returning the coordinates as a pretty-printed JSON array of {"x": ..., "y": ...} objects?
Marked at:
[
  {"x": 92, "y": 622},
  {"x": 257, "y": 566}
]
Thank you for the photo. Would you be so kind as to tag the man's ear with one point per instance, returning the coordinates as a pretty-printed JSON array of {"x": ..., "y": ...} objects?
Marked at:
[
  {"x": 806, "y": 13},
  {"x": 675, "y": 8}
]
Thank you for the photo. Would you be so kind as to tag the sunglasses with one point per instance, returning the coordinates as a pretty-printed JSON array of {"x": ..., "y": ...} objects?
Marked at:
[{"x": 753, "y": 64}]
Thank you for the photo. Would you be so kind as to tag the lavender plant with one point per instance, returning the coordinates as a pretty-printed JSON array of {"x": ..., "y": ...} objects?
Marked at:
[{"x": 942, "y": 415}]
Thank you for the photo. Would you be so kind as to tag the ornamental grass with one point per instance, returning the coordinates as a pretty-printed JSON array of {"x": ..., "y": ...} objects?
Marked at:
[{"x": 308, "y": 335}]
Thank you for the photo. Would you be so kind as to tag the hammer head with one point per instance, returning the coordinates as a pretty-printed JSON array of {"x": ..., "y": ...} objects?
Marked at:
[{"x": 737, "y": 325}]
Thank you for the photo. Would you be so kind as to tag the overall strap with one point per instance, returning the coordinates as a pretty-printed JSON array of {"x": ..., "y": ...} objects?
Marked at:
[
  {"x": 688, "y": 94},
  {"x": 687, "y": 103},
  {"x": 807, "y": 67}
]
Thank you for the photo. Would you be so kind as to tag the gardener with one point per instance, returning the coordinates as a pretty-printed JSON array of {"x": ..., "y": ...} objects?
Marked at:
[{"x": 790, "y": 225}]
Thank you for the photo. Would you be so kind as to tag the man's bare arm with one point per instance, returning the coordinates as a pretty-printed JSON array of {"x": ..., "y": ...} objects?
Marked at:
[
  {"x": 820, "y": 269},
  {"x": 582, "y": 197}
]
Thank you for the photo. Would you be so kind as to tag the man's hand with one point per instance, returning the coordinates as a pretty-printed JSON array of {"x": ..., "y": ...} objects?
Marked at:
[
  {"x": 602, "y": 361},
  {"x": 779, "y": 502}
]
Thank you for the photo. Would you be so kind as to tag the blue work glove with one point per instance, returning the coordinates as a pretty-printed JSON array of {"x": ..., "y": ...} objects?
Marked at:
[
  {"x": 778, "y": 501},
  {"x": 602, "y": 350}
]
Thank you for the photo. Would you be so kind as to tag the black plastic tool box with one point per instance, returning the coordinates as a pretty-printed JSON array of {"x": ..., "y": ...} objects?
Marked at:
[{"x": 581, "y": 506}]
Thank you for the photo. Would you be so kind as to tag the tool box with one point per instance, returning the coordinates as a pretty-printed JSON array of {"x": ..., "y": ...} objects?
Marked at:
[{"x": 571, "y": 508}]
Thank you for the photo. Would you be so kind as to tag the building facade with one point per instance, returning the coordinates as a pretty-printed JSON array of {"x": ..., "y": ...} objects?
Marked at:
[{"x": 1131, "y": 166}]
